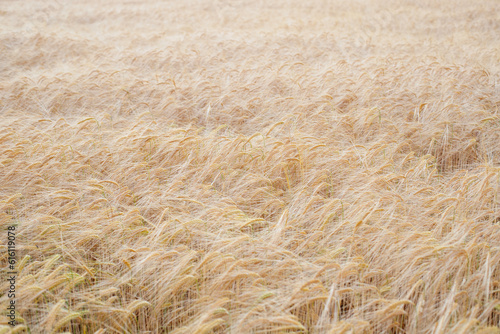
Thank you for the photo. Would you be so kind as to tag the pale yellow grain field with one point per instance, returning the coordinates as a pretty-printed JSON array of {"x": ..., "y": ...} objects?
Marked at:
[{"x": 251, "y": 166}]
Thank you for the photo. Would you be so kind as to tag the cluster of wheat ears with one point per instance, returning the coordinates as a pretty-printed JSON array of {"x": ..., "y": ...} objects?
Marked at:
[{"x": 251, "y": 166}]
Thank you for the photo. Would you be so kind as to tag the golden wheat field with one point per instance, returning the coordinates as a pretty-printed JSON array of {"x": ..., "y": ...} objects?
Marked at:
[{"x": 196, "y": 167}]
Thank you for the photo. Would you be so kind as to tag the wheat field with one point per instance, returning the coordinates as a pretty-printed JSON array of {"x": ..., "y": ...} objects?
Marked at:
[{"x": 193, "y": 167}]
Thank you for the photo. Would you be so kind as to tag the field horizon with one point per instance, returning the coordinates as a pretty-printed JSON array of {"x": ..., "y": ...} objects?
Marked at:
[{"x": 203, "y": 167}]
